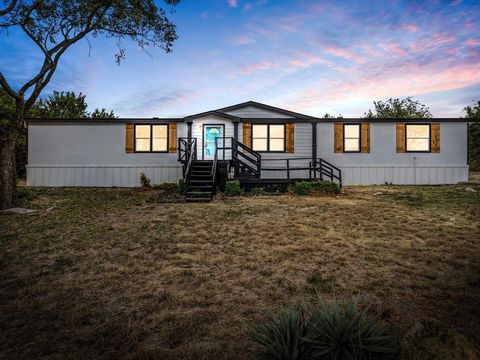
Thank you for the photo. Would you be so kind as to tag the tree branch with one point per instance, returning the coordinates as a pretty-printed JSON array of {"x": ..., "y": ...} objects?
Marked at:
[
  {"x": 8, "y": 89},
  {"x": 8, "y": 8}
]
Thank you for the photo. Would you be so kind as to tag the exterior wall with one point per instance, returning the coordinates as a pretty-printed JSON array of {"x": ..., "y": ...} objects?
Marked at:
[
  {"x": 197, "y": 131},
  {"x": 93, "y": 154},
  {"x": 384, "y": 165},
  {"x": 302, "y": 149},
  {"x": 256, "y": 112}
]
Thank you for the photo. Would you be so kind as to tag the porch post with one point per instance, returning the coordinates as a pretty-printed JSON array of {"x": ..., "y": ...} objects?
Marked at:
[
  {"x": 189, "y": 130},
  {"x": 314, "y": 140},
  {"x": 235, "y": 130}
]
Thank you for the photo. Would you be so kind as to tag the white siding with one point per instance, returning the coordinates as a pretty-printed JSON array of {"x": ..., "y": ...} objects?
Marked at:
[
  {"x": 256, "y": 112},
  {"x": 302, "y": 149},
  {"x": 197, "y": 131},
  {"x": 86, "y": 154},
  {"x": 384, "y": 165}
]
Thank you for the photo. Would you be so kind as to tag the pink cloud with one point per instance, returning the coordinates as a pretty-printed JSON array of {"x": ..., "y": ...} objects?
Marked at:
[
  {"x": 393, "y": 48},
  {"x": 232, "y": 3},
  {"x": 257, "y": 66},
  {"x": 409, "y": 27},
  {"x": 243, "y": 40},
  {"x": 407, "y": 79},
  {"x": 472, "y": 42},
  {"x": 307, "y": 60}
]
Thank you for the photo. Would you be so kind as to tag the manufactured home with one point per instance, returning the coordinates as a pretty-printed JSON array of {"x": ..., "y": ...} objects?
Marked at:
[{"x": 253, "y": 142}]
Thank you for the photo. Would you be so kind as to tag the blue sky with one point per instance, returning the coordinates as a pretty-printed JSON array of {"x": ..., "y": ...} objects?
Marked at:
[{"x": 308, "y": 56}]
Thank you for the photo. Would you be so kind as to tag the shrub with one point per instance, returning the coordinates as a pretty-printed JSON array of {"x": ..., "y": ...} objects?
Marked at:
[
  {"x": 325, "y": 332},
  {"x": 144, "y": 180},
  {"x": 314, "y": 187},
  {"x": 345, "y": 332},
  {"x": 169, "y": 187},
  {"x": 181, "y": 187},
  {"x": 281, "y": 337},
  {"x": 232, "y": 188}
]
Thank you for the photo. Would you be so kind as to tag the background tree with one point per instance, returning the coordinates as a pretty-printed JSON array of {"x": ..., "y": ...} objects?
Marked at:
[
  {"x": 54, "y": 26},
  {"x": 473, "y": 112},
  {"x": 399, "y": 108},
  {"x": 68, "y": 105}
]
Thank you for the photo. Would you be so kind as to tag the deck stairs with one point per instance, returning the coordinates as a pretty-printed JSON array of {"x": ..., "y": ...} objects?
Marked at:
[{"x": 201, "y": 182}]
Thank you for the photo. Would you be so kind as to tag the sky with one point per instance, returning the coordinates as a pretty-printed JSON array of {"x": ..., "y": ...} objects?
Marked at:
[{"x": 313, "y": 57}]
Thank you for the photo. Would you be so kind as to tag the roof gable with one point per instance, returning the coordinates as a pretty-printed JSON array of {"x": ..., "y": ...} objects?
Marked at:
[{"x": 253, "y": 109}]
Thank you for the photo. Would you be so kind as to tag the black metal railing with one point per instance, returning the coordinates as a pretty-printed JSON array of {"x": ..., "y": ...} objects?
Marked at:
[
  {"x": 317, "y": 169},
  {"x": 187, "y": 154},
  {"x": 246, "y": 162},
  {"x": 325, "y": 169}
]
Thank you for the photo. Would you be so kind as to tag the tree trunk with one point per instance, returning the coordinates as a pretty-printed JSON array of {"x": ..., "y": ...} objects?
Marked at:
[{"x": 8, "y": 173}]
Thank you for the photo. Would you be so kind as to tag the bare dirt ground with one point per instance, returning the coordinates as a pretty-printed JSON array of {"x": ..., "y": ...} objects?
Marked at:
[{"x": 113, "y": 273}]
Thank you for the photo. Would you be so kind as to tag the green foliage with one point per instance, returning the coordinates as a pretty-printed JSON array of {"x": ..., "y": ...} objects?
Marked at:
[
  {"x": 345, "y": 332},
  {"x": 473, "y": 112},
  {"x": 181, "y": 187},
  {"x": 314, "y": 187},
  {"x": 338, "y": 331},
  {"x": 168, "y": 187},
  {"x": 232, "y": 188},
  {"x": 67, "y": 104},
  {"x": 145, "y": 181},
  {"x": 102, "y": 114},
  {"x": 399, "y": 108},
  {"x": 63, "y": 105},
  {"x": 281, "y": 337}
]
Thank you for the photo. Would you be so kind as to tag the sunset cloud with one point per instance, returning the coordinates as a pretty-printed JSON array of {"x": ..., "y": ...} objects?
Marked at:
[{"x": 232, "y": 3}]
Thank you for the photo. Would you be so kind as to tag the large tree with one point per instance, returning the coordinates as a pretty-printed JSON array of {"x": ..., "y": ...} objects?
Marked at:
[
  {"x": 473, "y": 113},
  {"x": 54, "y": 26},
  {"x": 399, "y": 108}
]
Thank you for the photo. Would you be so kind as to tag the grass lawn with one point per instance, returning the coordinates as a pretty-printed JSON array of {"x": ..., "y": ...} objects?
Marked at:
[{"x": 114, "y": 273}]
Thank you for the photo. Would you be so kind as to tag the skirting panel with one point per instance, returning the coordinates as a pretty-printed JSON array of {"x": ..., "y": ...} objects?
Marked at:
[
  {"x": 420, "y": 175},
  {"x": 100, "y": 176}
]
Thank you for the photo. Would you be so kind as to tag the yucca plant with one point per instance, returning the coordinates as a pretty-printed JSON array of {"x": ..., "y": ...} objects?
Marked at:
[
  {"x": 281, "y": 337},
  {"x": 339, "y": 332}
]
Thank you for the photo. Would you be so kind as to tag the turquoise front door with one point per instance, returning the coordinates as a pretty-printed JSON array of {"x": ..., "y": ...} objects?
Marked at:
[{"x": 210, "y": 133}]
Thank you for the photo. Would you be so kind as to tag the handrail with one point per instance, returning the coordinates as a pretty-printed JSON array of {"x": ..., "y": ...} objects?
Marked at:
[{"x": 187, "y": 153}]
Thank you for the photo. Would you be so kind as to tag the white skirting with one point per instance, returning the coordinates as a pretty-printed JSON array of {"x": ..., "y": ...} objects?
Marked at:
[
  {"x": 100, "y": 176},
  {"x": 404, "y": 175},
  {"x": 129, "y": 176}
]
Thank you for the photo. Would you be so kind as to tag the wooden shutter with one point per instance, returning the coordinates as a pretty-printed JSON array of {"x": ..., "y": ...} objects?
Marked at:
[
  {"x": 247, "y": 134},
  {"x": 338, "y": 138},
  {"x": 365, "y": 138},
  {"x": 172, "y": 137},
  {"x": 290, "y": 137},
  {"x": 129, "y": 138},
  {"x": 400, "y": 138},
  {"x": 435, "y": 138}
]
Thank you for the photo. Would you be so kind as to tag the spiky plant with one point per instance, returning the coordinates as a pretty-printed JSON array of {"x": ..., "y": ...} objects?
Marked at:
[
  {"x": 339, "y": 332},
  {"x": 281, "y": 337}
]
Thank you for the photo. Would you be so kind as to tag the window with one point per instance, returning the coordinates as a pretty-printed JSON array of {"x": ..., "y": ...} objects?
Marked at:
[
  {"x": 351, "y": 137},
  {"x": 151, "y": 138},
  {"x": 268, "y": 137},
  {"x": 417, "y": 137}
]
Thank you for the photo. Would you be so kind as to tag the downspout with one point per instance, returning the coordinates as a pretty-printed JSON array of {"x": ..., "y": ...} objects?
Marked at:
[
  {"x": 235, "y": 130},
  {"x": 314, "y": 149}
]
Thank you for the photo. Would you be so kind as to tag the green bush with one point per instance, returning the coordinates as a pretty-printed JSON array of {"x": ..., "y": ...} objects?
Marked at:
[
  {"x": 166, "y": 187},
  {"x": 181, "y": 187},
  {"x": 314, "y": 187},
  {"x": 144, "y": 180},
  {"x": 345, "y": 332},
  {"x": 232, "y": 188},
  {"x": 282, "y": 336},
  {"x": 323, "y": 332}
]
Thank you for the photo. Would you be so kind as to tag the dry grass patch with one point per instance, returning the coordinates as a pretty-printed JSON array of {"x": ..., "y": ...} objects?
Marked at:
[{"x": 110, "y": 272}]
